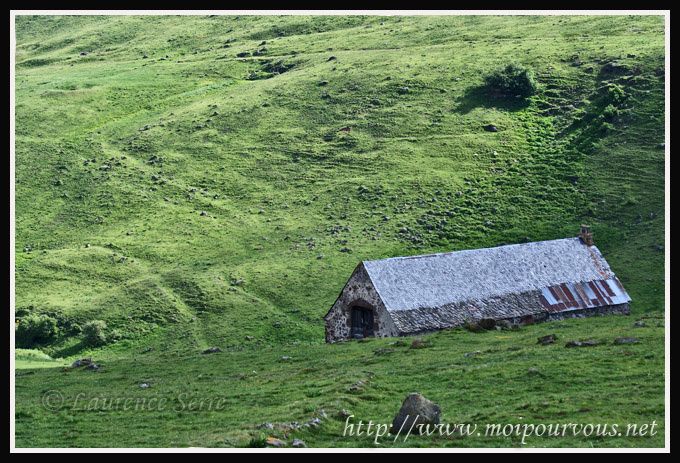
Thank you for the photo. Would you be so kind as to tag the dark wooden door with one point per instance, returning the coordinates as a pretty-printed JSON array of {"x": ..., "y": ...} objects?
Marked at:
[{"x": 362, "y": 322}]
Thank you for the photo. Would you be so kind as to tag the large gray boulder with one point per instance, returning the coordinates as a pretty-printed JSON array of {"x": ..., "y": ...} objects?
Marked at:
[{"x": 415, "y": 414}]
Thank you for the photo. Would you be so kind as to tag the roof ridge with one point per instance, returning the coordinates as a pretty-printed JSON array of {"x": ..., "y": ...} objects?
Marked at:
[{"x": 436, "y": 254}]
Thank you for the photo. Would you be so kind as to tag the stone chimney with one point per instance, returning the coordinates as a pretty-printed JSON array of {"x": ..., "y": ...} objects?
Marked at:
[{"x": 586, "y": 235}]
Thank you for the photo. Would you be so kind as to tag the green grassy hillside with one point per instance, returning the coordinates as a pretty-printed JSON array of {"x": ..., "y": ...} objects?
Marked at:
[{"x": 185, "y": 180}]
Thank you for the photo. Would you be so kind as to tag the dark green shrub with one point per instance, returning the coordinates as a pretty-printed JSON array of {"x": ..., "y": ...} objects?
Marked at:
[
  {"x": 609, "y": 113},
  {"x": 94, "y": 333},
  {"x": 259, "y": 441},
  {"x": 510, "y": 81},
  {"x": 34, "y": 329},
  {"x": 616, "y": 94}
]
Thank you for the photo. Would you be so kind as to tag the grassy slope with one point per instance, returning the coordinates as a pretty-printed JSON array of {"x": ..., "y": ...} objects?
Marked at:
[
  {"x": 510, "y": 380},
  {"x": 117, "y": 155}
]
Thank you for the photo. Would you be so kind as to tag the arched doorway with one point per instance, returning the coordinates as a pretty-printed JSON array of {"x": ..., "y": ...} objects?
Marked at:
[{"x": 362, "y": 322}]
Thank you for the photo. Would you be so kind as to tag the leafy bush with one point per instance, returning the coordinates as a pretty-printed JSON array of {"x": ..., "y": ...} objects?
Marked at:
[
  {"x": 259, "y": 441},
  {"x": 512, "y": 80},
  {"x": 94, "y": 333},
  {"x": 610, "y": 112},
  {"x": 616, "y": 94},
  {"x": 35, "y": 329}
]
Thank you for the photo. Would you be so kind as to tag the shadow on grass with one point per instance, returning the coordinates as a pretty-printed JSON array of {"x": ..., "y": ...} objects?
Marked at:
[
  {"x": 481, "y": 97},
  {"x": 70, "y": 350}
]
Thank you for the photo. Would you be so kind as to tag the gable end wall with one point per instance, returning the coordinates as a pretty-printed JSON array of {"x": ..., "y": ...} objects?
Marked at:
[{"x": 359, "y": 291}]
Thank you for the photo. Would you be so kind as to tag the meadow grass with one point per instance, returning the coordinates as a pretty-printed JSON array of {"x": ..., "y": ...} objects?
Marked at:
[{"x": 185, "y": 179}]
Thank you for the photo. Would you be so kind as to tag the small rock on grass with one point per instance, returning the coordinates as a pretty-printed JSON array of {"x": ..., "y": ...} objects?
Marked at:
[
  {"x": 298, "y": 443},
  {"x": 344, "y": 414},
  {"x": 626, "y": 340},
  {"x": 420, "y": 344},
  {"x": 274, "y": 442},
  {"x": 212, "y": 350},
  {"x": 81, "y": 363},
  {"x": 547, "y": 339},
  {"x": 586, "y": 343}
]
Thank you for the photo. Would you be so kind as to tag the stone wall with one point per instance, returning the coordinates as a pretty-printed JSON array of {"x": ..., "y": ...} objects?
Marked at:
[
  {"x": 359, "y": 291},
  {"x": 619, "y": 309},
  {"x": 540, "y": 317}
]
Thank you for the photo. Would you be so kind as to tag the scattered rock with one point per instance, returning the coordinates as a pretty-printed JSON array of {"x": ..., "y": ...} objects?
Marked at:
[
  {"x": 344, "y": 414},
  {"x": 83, "y": 53},
  {"x": 639, "y": 324},
  {"x": 472, "y": 354},
  {"x": 505, "y": 325},
  {"x": 203, "y": 213},
  {"x": 286, "y": 358},
  {"x": 268, "y": 426},
  {"x": 614, "y": 67},
  {"x": 357, "y": 387},
  {"x": 274, "y": 442},
  {"x": 313, "y": 423},
  {"x": 586, "y": 343},
  {"x": 92, "y": 366},
  {"x": 212, "y": 350},
  {"x": 298, "y": 443},
  {"x": 332, "y": 58},
  {"x": 626, "y": 340},
  {"x": 323, "y": 83},
  {"x": 547, "y": 339},
  {"x": 491, "y": 128},
  {"x": 533, "y": 371},
  {"x": 472, "y": 326},
  {"x": 144, "y": 386},
  {"x": 249, "y": 338},
  {"x": 81, "y": 363},
  {"x": 416, "y": 412},
  {"x": 403, "y": 90},
  {"x": 420, "y": 344},
  {"x": 346, "y": 249}
]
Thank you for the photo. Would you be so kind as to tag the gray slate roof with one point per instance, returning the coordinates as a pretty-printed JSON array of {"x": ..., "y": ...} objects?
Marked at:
[{"x": 479, "y": 276}]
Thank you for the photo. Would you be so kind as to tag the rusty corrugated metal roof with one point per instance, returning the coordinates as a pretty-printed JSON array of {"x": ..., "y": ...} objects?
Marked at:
[{"x": 583, "y": 295}]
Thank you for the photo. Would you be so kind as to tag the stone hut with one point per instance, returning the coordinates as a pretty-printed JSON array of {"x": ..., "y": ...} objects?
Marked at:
[{"x": 520, "y": 283}]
